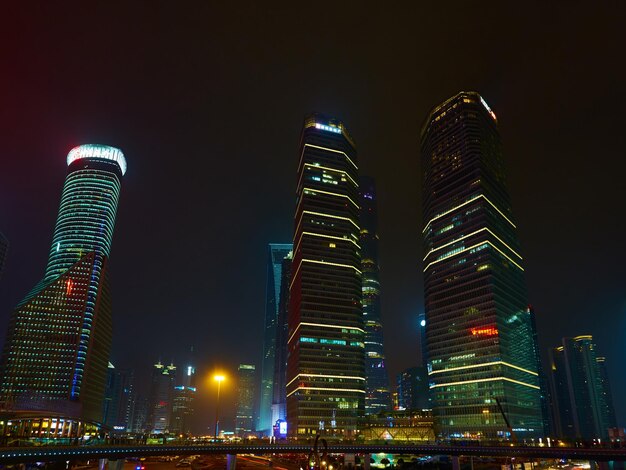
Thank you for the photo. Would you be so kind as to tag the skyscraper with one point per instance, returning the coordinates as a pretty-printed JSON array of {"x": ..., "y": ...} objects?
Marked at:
[
  {"x": 161, "y": 397},
  {"x": 480, "y": 340},
  {"x": 119, "y": 399},
  {"x": 581, "y": 393},
  {"x": 277, "y": 252},
  {"x": 412, "y": 387},
  {"x": 377, "y": 396},
  {"x": 279, "y": 398},
  {"x": 421, "y": 326},
  {"x": 59, "y": 337},
  {"x": 326, "y": 362},
  {"x": 244, "y": 421},
  {"x": 184, "y": 396}
]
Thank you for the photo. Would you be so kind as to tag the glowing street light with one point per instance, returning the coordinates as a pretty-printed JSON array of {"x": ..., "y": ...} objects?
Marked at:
[{"x": 219, "y": 379}]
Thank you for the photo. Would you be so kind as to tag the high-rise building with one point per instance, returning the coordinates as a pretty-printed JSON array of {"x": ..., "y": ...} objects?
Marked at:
[
  {"x": 141, "y": 415},
  {"x": 162, "y": 397},
  {"x": 184, "y": 396},
  {"x": 421, "y": 328},
  {"x": 377, "y": 396},
  {"x": 480, "y": 340},
  {"x": 412, "y": 388},
  {"x": 583, "y": 407},
  {"x": 119, "y": 399},
  {"x": 244, "y": 420},
  {"x": 326, "y": 360},
  {"x": 59, "y": 337},
  {"x": 279, "y": 397},
  {"x": 277, "y": 253},
  {"x": 4, "y": 247}
]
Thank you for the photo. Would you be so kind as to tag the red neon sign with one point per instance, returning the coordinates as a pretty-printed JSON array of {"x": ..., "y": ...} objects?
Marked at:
[{"x": 485, "y": 331}]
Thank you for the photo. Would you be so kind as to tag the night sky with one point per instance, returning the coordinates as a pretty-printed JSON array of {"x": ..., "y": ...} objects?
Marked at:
[{"x": 207, "y": 102}]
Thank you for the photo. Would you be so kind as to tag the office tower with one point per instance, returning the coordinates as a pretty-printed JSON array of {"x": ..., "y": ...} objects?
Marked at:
[
  {"x": 161, "y": 397},
  {"x": 326, "y": 361},
  {"x": 412, "y": 389},
  {"x": 377, "y": 396},
  {"x": 421, "y": 328},
  {"x": 580, "y": 390},
  {"x": 4, "y": 247},
  {"x": 59, "y": 337},
  {"x": 279, "y": 398},
  {"x": 478, "y": 328},
  {"x": 141, "y": 415},
  {"x": 119, "y": 399},
  {"x": 184, "y": 396},
  {"x": 244, "y": 420},
  {"x": 276, "y": 252}
]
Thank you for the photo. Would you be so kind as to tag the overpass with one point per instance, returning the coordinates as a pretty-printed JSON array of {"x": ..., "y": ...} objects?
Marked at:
[{"x": 116, "y": 452}]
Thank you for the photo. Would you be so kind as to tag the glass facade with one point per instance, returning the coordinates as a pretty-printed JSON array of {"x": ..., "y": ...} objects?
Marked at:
[
  {"x": 277, "y": 253},
  {"x": 57, "y": 349},
  {"x": 412, "y": 387},
  {"x": 377, "y": 397},
  {"x": 480, "y": 339},
  {"x": 326, "y": 337},
  {"x": 244, "y": 420},
  {"x": 162, "y": 397},
  {"x": 582, "y": 402}
]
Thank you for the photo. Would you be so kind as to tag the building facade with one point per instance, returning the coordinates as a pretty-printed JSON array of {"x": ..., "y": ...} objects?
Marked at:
[
  {"x": 412, "y": 388},
  {"x": 246, "y": 386},
  {"x": 59, "y": 337},
  {"x": 582, "y": 402},
  {"x": 119, "y": 399},
  {"x": 479, "y": 333},
  {"x": 183, "y": 399},
  {"x": 162, "y": 397},
  {"x": 279, "y": 397},
  {"x": 377, "y": 396},
  {"x": 326, "y": 360},
  {"x": 277, "y": 253}
]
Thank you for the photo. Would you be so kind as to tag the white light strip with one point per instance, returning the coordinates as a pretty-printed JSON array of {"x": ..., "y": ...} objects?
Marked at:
[
  {"x": 331, "y": 194},
  {"x": 331, "y": 216},
  {"x": 332, "y": 237},
  {"x": 334, "y": 151},
  {"x": 473, "y": 366},
  {"x": 470, "y": 248},
  {"x": 339, "y": 265},
  {"x": 492, "y": 379},
  {"x": 326, "y": 389},
  {"x": 324, "y": 376},
  {"x": 464, "y": 204},
  {"x": 345, "y": 173},
  {"x": 469, "y": 235}
]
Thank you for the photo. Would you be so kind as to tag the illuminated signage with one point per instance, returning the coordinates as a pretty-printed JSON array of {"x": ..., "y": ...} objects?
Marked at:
[
  {"x": 97, "y": 151},
  {"x": 282, "y": 428},
  {"x": 486, "y": 331},
  {"x": 324, "y": 127},
  {"x": 493, "y": 115}
]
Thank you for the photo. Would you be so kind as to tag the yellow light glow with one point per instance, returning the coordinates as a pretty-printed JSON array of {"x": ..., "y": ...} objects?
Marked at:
[
  {"x": 492, "y": 379},
  {"x": 325, "y": 376},
  {"x": 327, "y": 389},
  {"x": 323, "y": 325},
  {"x": 469, "y": 235},
  {"x": 473, "y": 366},
  {"x": 470, "y": 248},
  {"x": 464, "y": 204},
  {"x": 219, "y": 378},
  {"x": 330, "y": 193},
  {"x": 329, "y": 150},
  {"x": 321, "y": 214},
  {"x": 305, "y": 260},
  {"x": 332, "y": 237},
  {"x": 331, "y": 169}
]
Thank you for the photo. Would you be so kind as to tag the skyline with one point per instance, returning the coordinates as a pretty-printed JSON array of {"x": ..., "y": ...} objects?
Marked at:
[{"x": 574, "y": 291}]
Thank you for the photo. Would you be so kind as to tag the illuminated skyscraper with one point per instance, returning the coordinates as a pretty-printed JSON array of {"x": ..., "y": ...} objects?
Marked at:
[
  {"x": 377, "y": 383},
  {"x": 119, "y": 399},
  {"x": 162, "y": 397},
  {"x": 583, "y": 407},
  {"x": 246, "y": 386},
  {"x": 481, "y": 345},
  {"x": 326, "y": 361},
  {"x": 277, "y": 253},
  {"x": 279, "y": 398},
  {"x": 412, "y": 387},
  {"x": 59, "y": 337},
  {"x": 183, "y": 400}
]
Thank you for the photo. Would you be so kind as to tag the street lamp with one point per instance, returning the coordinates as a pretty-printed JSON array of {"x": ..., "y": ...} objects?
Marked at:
[{"x": 219, "y": 379}]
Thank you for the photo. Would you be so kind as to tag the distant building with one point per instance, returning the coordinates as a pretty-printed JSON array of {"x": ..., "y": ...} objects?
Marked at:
[
  {"x": 582, "y": 403},
  {"x": 279, "y": 398},
  {"x": 421, "y": 328},
  {"x": 55, "y": 357},
  {"x": 4, "y": 247},
  {"x": 119, "y": 399},
  {"x": 141, "y": 416},
  {"x": 377, "y": 396},
  {"x": 326, "y": 361},
  {"x": 412, "y": 388},
  {"x": 479, "y": 333},
  {"x": 184, "y": 396},
  {"x": 162, "y": 397},
  {"x": 276, "y": 254},
  {"x": 244, "y": 421}
]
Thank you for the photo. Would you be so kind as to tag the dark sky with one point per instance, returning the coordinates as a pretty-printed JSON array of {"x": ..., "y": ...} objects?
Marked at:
[{"x": 207, "y": 101}]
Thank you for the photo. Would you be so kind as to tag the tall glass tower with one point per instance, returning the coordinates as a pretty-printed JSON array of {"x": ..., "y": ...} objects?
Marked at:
[
  {"x": 377, "y": 381},
  {"x": 325, "y": 365},
  {"x": 277, "y": 253},
  {"x": 58, "y": 342},
  {"x": 481, "y": 347}
]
